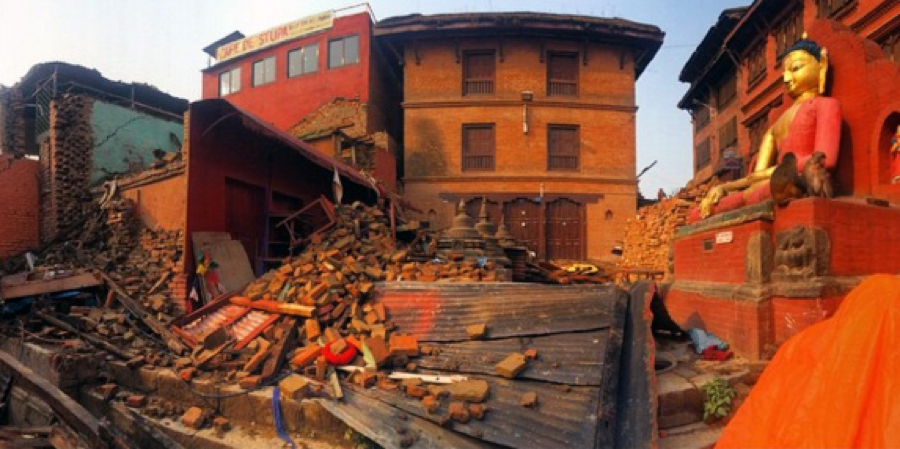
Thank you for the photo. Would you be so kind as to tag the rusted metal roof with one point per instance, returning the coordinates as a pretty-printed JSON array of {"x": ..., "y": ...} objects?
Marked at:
[{"x": 576, "y": 330}]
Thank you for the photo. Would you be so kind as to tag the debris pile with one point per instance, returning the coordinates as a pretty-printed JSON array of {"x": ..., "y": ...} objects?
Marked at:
[{"x": 650, "y": 233}]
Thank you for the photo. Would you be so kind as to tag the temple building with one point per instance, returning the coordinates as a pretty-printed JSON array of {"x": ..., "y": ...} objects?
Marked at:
[{"x": 533, "y": 112}]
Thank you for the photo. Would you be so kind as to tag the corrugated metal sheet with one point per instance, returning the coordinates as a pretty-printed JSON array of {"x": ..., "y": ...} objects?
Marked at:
[
  {"x": 441, "y": 312},
  {"x": 577, "y": 331}
]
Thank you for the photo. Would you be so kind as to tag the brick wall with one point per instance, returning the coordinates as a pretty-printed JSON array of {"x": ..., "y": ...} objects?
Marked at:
[
  {"x": 604, "y": 109},
  {"x": 722, "y": 262},
  {"x": 19, "y": 208},
  {"x": 161, "y": 204},
  {"x": 65, "y": 164}
]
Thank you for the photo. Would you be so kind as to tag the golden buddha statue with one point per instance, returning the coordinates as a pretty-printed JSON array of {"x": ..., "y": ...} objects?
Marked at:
[{"x": 812, "y": 124}]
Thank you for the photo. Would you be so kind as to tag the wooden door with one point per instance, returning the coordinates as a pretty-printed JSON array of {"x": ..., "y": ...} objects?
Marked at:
[
  {"x": 565, "y": 230},
  {"x": 523, "y": 218},
  {"x": 245, "y": 216}
]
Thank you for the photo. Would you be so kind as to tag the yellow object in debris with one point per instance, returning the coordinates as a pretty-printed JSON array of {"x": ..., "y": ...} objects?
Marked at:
[{"x": 582, "y": 268}]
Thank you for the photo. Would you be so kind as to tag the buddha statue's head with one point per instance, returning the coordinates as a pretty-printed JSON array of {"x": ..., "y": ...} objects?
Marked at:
[{"x": 805, "y": 68}]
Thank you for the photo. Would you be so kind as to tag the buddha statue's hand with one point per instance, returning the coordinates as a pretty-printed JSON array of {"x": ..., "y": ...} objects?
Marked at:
[{"x": 712, "y": 197}]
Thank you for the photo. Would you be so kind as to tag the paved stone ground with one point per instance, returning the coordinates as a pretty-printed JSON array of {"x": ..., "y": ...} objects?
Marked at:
[{"x": 681, "y": 398}]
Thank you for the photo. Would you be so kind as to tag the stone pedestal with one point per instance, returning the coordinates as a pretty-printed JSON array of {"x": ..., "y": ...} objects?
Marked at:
[{"x": 757, "y": 275}]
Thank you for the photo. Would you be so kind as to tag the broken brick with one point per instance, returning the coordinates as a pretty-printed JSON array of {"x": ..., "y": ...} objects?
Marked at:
[
  {"x": 108, "y": 391},
  {"x": 431, "y": 404},
  {"x": 136, "y": 401},
  {"x": 321, "y": 368},
  {"x": 529, "y": 399},
  {"x": 221, "y": 424},
  {"x": 187, "y": 374},
  {"x": 476, "y": 331},
  {"x": 530, "y": 354},
  {"x": 469, "y": 390},
  {"x": 459, "y": 411},
  {"x": 338, "y": 346},
  {"x": 511, "y": 366},
  {"x": 250, "y": 382},
  {"x": 417, "y": 391},
  {"x": 331, "y": 334},
  {"x": 293, "y": 386},
  {"x": 378, "y": 349},
  {"x": 306, "y": 355},
  {"x": 405, "y": 345},
  {"x": 477, "y": 410},
  {"x": 193, "y": 418},
  {"x": 312, "y": 330}
]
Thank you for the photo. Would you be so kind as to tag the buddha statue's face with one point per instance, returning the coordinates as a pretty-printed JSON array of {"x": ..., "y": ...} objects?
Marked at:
[{"x": 801, "y": 74}]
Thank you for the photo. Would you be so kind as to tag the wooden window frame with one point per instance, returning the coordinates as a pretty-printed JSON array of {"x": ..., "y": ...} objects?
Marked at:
[
  {"x": 756, "y": 65},
  {"x": 478, "y": 85},
  {"x": 726, "y": 92},
  {"x": 728, "y": 136},
  {"x": 702, "y": 154},
  {"x": 478, "y": 161},
  {"x": 563, "y": 162},
  {"x": 833, "y": 9},
  {"x": 788, "y": 31},
  {"x": 561, "y": 86},
  {"x": 890, "y": 46}
]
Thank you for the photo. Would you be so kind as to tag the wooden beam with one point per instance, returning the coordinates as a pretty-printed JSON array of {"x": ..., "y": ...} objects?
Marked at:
[
  {"x": 98, "y": 342},
  {"x": 33, "y": 288},
  {"x": 69, "y": 411},
  {"x": 168, "y": 337}
]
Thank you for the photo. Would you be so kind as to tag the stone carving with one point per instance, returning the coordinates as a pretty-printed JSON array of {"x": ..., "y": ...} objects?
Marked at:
[
  {"x": 801, "y": 253},
  {"x": 759, "y": 258}
]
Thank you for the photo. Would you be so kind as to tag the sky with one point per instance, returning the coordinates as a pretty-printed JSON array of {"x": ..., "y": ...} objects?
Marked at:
[{"x": 159, "y": 42}]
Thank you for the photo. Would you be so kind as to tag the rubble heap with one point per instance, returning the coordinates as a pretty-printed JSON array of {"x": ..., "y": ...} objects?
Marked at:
[{"x": 650, "y": 233}]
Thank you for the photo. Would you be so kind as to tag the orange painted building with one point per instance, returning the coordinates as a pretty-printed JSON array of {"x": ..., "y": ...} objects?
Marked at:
[{"x": 533, "y": 112}]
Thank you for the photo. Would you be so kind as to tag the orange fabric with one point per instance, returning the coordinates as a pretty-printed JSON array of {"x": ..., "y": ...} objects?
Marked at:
[{"x": 836, "y": 384}]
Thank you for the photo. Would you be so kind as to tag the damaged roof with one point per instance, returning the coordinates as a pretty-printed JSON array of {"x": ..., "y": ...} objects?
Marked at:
[
  {"x": 646, "y": 38},
  {"x": 223, "y": 109},
  {"x": 73, "y": 77}
]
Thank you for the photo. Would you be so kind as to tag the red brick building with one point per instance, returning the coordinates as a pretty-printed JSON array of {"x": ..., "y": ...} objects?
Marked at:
[
  {"x": 757, "y": 275},
  {"x": 534, "y": 112},
  {"x": 287, "y": 73},
  {"x": 19, "y": 206},
  {"x": 736, "y": 90}
]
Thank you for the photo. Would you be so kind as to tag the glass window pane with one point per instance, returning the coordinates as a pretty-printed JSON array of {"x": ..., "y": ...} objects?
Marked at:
[
  {"x": 270, "y": 69},
  {"x": 235, "y": 80},
  {"x": 310, "y": 58},
  {"x": 351, "y": 50},
  {"x": 295, "y": 62},
  {"x": 224, "y": 84},
  {"x": 257, "y": 73},
  {"x": 335, "y": 53}
]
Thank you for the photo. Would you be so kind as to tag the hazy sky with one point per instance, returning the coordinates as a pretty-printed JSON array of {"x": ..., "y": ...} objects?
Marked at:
[{"x": 159, "y": 42}]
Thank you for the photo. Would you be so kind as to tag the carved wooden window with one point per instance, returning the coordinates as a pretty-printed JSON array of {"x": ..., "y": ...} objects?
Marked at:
[
  {"x": 701, "y": 154},
  {"x": 726, "y": 92},
  {"x": 891, "y": 46},
  {"x": 478, "y": 147},
  {"x": 756, "y": 64},
  {"x": 562, "y": 74},
  {"x": 728, "y": 135},
  {"x": 230, "y": 81},
  {"x": 833, "y": 8},
  {"x": 788, "y": 31},
  {"x": 701, "y": 116},
  {"x": 264, "y": 71},
  {"x": 757, "y": 130},
  {"x": 478, "y": 72},
  {"x": 562, "y": 147}
]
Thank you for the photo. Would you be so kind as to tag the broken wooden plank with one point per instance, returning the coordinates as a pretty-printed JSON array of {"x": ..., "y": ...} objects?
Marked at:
[
  {"x": 69, "y": 411},
  {"x": 442, "y": 311},
  {"x": 98, "y": 342},
  {"x": 38, "y": 287},
  {"x": 286, "y": 343},
  {"x": 138, "y": 310},
  {"x": 394, "y": 429},
  {"x": 573, "y": 358}
]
